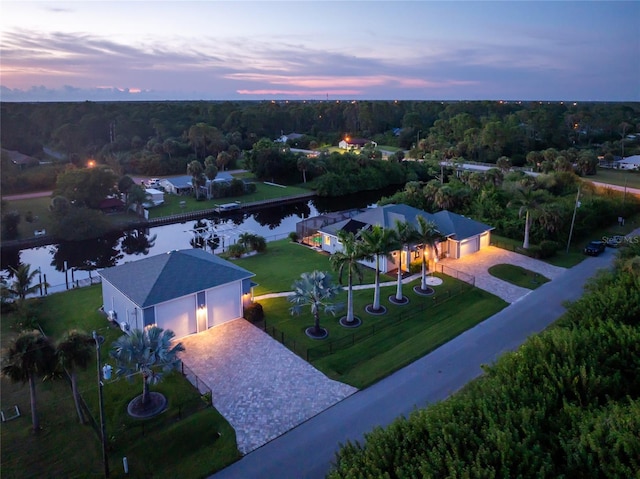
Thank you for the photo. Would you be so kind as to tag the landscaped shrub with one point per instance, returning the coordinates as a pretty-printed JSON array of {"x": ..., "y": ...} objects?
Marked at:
[
  {"x": 236, "y": 250},
  {"x": 548, "y": 248},
  {"x": 293, "y": 236},
  {"x": 254, "y": 313}
]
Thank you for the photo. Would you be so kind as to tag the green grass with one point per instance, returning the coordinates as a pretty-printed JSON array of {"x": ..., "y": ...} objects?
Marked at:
[
  {"x": 405, "y": 333},
  {"x": 39, "y": 207},
  {"x": 517, "y": 275},
  {"x": 172, "y": 203},
  {"x": 188, "y": 426},
  {"x": 283, "y": 263},
  {"x": 616, "y": 177}
]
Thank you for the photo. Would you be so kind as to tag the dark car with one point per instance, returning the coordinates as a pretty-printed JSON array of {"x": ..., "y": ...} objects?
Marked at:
[{"x": 594, "y": 248}]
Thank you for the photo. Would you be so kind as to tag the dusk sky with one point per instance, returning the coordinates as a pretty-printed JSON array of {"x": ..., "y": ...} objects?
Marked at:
[{"x": 314, "y": 50}]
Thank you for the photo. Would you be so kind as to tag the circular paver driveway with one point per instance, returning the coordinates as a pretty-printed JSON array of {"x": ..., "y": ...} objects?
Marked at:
[
  {"x": 258, "y": 385},
  {"x": 478, "y": 264}
]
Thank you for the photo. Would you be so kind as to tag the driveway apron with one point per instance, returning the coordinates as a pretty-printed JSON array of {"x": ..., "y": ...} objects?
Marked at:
[
  {"x": 478, "y": 265},
  {"x": 257, "y": 384}
]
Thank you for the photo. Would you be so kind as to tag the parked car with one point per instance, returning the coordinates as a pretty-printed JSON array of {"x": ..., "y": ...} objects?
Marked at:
[
  {"x": 594, "y": 248},
  {"x": 614, "y": 241}
]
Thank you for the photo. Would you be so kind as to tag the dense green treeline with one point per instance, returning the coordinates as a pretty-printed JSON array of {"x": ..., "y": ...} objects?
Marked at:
[{"x": 565, "y": 404}]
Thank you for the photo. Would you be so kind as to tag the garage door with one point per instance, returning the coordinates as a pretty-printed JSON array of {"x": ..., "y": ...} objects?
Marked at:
[
  {"x": 178, "y": 315},
  {"x": 468, "y": 246},
  {"x": 224, "y": 304}
]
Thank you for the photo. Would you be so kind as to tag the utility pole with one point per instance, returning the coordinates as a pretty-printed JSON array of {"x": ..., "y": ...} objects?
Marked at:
[
  {"x": 103, "y": 428},
  {"x": 573, "y": 220}
]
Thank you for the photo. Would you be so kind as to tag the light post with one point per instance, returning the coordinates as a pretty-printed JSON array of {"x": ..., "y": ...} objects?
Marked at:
[{"x": 103, "y": 429}]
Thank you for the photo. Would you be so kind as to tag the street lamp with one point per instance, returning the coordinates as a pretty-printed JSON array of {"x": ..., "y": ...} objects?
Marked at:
[{"x": 103, "y": 429}]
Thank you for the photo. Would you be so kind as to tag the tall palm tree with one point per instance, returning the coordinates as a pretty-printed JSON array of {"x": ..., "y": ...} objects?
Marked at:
[
  {"x": 149, "y": 352},
  {"x": 429, "y": 236},
  {"x": 379, "y": 242},
  {"x": 529, "y": 200},
  {"x": 30, "y": 355},
  {"x": 316, "y": 290},
  {"x": 198, "y": 179},
  {"x": 406, "y": 235},
  {"x": 348, "y": 259},
  {"x": 73, "y": 352},
  {"x": 23, "y": 277}
]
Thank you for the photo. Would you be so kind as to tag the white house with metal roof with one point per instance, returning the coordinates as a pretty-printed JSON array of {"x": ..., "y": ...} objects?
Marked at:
[
  {"x": 463, "y": 235},
  {"x": 186, "y": 291}
]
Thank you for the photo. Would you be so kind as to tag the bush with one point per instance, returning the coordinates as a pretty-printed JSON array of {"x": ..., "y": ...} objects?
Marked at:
[
  {"x": 236, "y": 250},
  {"x": 293, "y": 237},
  {"x": 548, "y": 248},
  {"x": 254, "y": 313}
]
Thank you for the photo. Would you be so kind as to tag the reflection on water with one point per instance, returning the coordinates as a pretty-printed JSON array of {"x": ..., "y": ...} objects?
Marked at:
[{"x": 213, "y": 234}]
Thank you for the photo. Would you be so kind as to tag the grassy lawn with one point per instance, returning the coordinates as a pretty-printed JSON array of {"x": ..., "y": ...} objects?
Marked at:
[
  {"x": 406, "y": 333},
  {"x": 166, "y": 446},
  {"x": 172, "y": 204},
  {"x": 616, "y": 177},
  {"x": 517, "y": 275},
  {"x": 283, "y": 263},
  {"x": 39, "y": 208}
]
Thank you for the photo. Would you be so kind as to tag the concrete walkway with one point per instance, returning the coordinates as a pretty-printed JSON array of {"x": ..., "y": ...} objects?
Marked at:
[
  {"x": 307, "y": 451},
  {"x": 478, "y": 265},
  {"x": 258, "y": 385}
]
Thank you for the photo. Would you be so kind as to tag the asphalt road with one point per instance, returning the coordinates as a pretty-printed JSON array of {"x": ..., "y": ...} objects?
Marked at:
[{"x": 307, "y": 451}]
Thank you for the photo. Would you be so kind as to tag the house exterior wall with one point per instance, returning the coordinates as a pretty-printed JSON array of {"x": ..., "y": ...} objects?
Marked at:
[{"x": 125, "y": 310}]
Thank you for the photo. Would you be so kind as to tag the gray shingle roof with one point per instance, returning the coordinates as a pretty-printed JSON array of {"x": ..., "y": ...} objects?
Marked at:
[
  {"x": 449, "y": 224},
  {"x": 172, "y": 275}
]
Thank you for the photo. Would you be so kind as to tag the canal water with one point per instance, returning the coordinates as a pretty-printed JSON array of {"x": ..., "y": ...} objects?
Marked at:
[{"x": 67, "y": 264}]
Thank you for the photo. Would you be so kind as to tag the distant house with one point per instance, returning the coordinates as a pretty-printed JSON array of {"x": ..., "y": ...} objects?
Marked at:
[
  {"x": 187, "y": 291},
  {"x": 355, "y": 143},
  {"x": 20, "y": 159},
  {"x": 462, "y": 235},
  {"x": 290, "y": 136},
  {"x": 178, "y": 185},
  {"x": 630, "y": 163}
]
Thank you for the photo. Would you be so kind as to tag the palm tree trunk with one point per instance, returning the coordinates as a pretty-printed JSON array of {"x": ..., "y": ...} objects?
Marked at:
[
  {"x": 399, "y": 285},
  {"x": 35, "y": 422},
  {"x": 350, "y": 317},
  {"x": 145, "y": 389},
  {"x": 376, "y": 293},
  {"x": 316, "y": 317},
  {"x": 74, "y": 391},
  {"x": 423, "y": 284},
  {"x": 525, "y": 244}
]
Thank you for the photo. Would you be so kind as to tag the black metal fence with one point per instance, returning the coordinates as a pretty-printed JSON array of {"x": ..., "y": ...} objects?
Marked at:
[
  {"x": 364, "y": 332},
  {"x": 197, "y": 382}
]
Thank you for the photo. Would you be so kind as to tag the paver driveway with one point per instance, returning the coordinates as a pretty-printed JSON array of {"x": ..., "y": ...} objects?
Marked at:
[
  {"x": 478, "y": 265},
  {"x": 259, "y": 386}
]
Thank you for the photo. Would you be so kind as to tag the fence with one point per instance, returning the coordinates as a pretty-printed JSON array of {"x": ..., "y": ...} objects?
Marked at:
[
  {"x": 202, "y": 387},
  {"x": 454, "y": 273},
  {"x": 329, "y": 347}
]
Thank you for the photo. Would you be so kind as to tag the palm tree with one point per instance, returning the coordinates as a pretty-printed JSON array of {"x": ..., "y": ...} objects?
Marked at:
[
  {"x": 429, "y": 236},
  {"x": 529, "y": 201},
  {"x": 73, "y": 352},
  {"x": 348, "y": 259},
  {"x": 30, "y": 355},
  {"x": 315, "y": 289},
  {"x": 148, "y": 352},
  {"x": 197, "y": 176},
  {"x": 406, "y": 234},
  {"x": 379, "y": 242},
  {"x": 21, "y": 285}
]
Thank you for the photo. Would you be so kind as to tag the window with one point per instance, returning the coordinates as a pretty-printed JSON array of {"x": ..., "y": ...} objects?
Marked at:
[{"x": 327, "y": 240}]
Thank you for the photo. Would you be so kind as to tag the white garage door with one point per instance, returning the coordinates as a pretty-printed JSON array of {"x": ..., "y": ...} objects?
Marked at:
[
  {"x": 178, "y": 315},
  {"x": 224, "y": 304},
  {"x": 468, "y": 246}
]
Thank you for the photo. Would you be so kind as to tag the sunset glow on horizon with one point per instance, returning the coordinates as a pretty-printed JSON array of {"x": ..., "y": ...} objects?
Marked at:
[{"x": 405, "y": 50}]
